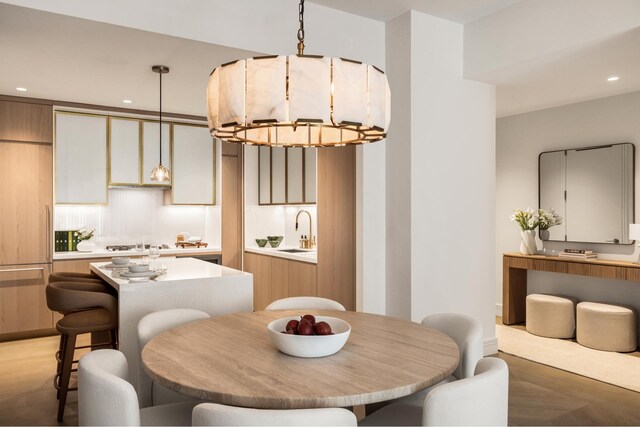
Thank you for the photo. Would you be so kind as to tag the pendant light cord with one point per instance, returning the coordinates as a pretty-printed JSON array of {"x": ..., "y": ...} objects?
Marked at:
[
  {"x": 160, "y": 125},
  {"x": 301, "y": 29}
]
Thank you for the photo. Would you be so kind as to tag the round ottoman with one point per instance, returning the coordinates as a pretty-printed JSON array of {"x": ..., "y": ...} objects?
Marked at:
[
  {"x": 551, "y": 316},
  {"x": 606, "y": 327}
]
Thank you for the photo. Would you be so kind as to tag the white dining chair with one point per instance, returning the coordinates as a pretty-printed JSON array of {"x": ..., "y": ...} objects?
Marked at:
[
  {"x": 105, "y": 397},
  {"x": 153, "y": 324},
  {"x": 480, "y": 400},
  {"x": 468, "y": 336},
  {"x": 212, "y": 414},
  {"x": 305, "y": 303}
]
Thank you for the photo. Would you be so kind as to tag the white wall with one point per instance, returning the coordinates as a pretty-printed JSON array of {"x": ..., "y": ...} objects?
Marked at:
[
  {"x": 520, "y": 139},
  {"x": 398, "y": 166},
  {"x": 139, "y": 213},
  {"x": 449, "y": 153}
]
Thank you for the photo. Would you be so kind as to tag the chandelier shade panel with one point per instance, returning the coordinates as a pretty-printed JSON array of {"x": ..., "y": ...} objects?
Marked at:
[{"x": 298, "y": 101}]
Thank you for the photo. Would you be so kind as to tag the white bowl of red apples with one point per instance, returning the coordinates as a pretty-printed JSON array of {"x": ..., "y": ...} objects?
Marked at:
[{"x": 309, "y": 336}]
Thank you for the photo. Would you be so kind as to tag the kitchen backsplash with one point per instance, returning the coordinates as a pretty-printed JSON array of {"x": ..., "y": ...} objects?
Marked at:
[
  {"x": 262, "y": 221},
  {"x": 134, "y": 213}
]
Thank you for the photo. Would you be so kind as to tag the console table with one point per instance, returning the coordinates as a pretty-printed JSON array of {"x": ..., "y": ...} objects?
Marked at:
[{"x": 514, "y": 277}]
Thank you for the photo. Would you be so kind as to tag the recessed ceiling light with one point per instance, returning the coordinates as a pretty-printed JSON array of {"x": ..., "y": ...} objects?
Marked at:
[
  {"x": 127, "y": 101},
  {"x": 613, "y": 79},
  {"x": 21, "y": 89}
]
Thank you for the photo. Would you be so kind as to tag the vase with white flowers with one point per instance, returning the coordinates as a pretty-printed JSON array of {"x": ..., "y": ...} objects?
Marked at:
[
  {"x": 84, "y": 237},
  {"x": 546, "y": 220},
  {"x": 528, "y": 220}
]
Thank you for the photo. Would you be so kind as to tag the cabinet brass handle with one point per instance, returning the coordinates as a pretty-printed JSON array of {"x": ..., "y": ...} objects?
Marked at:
[{"x": 48, "y": 240}]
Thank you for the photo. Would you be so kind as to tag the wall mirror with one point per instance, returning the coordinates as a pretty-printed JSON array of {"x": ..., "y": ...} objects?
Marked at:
[{"x": 593, "y": 189}]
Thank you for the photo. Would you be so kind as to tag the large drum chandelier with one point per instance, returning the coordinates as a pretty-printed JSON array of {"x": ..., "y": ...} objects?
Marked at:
[{"x": 298, "y": 100}]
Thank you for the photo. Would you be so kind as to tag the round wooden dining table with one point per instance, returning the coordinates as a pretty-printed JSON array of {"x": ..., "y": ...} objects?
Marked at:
[{"x": 231, "y": 360}]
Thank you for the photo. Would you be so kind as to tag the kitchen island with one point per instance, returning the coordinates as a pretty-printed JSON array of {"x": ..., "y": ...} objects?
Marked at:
[{"x": 187, "y": 283}]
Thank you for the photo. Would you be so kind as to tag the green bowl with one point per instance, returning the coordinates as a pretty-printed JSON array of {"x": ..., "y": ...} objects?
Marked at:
[
  {"x": 261, "y": 242},
  {"x": 274, "y": 241}
]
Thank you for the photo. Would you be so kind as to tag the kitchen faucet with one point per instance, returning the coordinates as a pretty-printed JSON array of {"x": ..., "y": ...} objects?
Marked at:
[{"x": 310, "y": 242}]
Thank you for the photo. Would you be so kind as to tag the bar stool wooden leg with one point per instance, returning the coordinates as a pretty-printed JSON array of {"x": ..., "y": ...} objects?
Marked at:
[
  {"x": 65, "y": 377},
  {"x": 113, "y": 338},
  {"x": 56, "y": 379}
]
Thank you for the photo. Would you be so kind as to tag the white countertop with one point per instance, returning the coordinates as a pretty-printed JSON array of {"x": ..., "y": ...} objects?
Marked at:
[
  {"x": 103, "y": 253},
  {"x": 310, "y": 256},
  {"x": 179, "y": 270}
]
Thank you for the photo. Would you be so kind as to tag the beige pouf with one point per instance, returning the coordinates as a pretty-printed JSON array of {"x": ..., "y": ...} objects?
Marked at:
[
  {"x": 606, "y": 327},
  {"x": 551, "y": 316}
]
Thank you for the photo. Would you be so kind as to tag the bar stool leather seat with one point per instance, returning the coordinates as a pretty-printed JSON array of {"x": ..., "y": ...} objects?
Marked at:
[{"x": 87, "y": 321}]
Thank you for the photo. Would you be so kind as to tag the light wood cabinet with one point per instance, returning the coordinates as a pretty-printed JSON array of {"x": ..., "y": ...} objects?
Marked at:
[
  {"x": 151, "y": 151},
  {"x": 25, "y": 203},
  {"x": 287, "y": 176},
  {"x": 81, "y": 158},
  {"x": 26, "y": 122},
  {"x": 193, "y": 166},
  {"x": 23, "y": 302},
  {"x": 232, "y": 207},
  {"x": 275, "y": 278},
  {"x": 337, "y": 225},
  {"x": 124, "y": 151}
]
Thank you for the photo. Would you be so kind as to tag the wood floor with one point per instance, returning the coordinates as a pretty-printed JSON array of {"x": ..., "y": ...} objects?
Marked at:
[
  {"x": 538, "y": 394},
  {"x": 27, "y": 396}
]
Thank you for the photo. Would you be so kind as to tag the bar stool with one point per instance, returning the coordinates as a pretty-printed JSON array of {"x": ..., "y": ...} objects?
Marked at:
[
  {"x": 82, "y": 277},
  {"x": 86, "y": 309}
]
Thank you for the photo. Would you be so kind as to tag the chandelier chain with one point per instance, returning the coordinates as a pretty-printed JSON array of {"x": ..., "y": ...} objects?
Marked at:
[{"x": 301, "y": 20}]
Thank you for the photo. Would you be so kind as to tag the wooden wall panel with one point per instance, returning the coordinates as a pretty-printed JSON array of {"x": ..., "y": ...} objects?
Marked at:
[
  {"x": 26, "y": 122},
  {"x": 232, "y": 205},
  {"x": 337, "y": 225}
]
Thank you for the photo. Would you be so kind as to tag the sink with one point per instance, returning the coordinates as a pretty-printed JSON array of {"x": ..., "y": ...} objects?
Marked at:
[{"x": 293, "y": 251}]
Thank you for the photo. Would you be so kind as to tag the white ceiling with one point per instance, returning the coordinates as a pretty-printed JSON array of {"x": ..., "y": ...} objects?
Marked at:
[
  {"x": 70, "y": 59},
  {"x": 461, "y": 11},
  {"x": 569, "y": 76}
]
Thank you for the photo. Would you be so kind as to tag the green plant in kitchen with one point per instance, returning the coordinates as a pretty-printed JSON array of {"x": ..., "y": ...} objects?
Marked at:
[{"x": 85, "y": 235}]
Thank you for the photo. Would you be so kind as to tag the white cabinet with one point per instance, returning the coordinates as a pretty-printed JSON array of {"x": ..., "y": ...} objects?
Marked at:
[
  {"x": 287, "y": 176},
  {"x": 151, "y": 153},
  {"x": 81, "y": 158},
  {"x": 124, "y": 151},
  {"x": 193, "y": 166}
]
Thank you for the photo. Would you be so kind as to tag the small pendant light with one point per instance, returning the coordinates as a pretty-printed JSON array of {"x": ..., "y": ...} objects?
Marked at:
[{"x": 160, "y": 173}]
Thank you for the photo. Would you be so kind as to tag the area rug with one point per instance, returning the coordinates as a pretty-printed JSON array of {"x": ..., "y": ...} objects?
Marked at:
[{"x": 619, "y": 369}]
